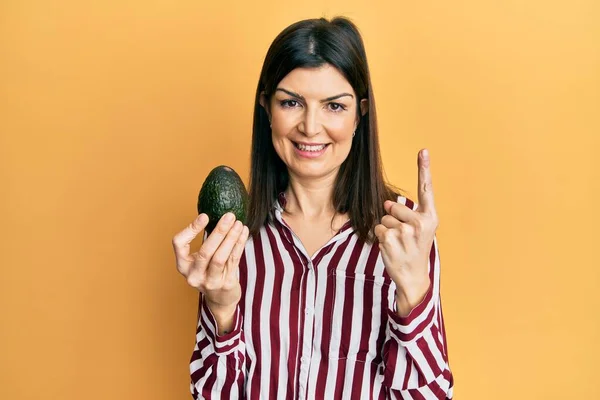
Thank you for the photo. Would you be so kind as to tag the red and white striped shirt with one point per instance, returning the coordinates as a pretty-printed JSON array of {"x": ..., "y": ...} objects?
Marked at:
[{"x": 323, "y": 327}]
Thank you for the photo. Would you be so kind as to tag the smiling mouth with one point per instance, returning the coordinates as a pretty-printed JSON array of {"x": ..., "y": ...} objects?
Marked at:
[{"x": 304, "y": 147}]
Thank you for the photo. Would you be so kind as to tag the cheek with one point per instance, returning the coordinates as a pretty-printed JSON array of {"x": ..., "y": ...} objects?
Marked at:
[
  {"x": 280, "y": 143},
  {"x": 280, "y": 127},
  {"x": 341, "y": 131},
  {"x": 278, "y": 134},
  {"x": 341, "y": 126}
]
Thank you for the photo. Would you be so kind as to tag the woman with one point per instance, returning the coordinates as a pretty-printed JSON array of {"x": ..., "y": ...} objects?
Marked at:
[{"x": 332, "y": 290}]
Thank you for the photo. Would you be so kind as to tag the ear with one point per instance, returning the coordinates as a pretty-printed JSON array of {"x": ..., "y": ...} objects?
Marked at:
[
  {"x": 264, "y": 102},
  {"x": 364, "y": 106}
]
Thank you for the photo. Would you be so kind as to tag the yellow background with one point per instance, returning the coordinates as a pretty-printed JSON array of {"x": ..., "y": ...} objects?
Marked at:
[{"x": 112, "y": 113}]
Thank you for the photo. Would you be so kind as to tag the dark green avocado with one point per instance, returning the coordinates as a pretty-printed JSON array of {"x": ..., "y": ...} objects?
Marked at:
[{"x": 222, "y": 191}]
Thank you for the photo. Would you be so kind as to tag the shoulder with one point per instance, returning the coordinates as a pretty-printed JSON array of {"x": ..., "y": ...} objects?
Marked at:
[{"x": 407, "y": 201}]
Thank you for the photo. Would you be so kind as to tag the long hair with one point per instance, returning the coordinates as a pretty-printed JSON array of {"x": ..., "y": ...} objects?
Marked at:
[{"x": 360, "y": 189}]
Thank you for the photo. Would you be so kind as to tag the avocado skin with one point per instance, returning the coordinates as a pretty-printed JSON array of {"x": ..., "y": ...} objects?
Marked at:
[{"x": 222, "y": 191}]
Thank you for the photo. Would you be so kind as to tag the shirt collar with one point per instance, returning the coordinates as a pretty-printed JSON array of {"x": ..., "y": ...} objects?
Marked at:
[{"x": 279, "y": 207}]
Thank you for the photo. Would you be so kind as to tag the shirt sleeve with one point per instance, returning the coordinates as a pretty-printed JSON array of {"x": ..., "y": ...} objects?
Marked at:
[
  {"x": 415, "y": 352},
  {"x": 217, "y": 367}
]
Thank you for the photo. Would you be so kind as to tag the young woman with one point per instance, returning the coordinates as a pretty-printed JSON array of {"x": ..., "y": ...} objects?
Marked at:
[{"x": 332, "y": 290}]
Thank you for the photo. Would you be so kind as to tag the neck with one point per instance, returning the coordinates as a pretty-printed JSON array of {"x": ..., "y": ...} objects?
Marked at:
[{"x": 310, "y": 199}]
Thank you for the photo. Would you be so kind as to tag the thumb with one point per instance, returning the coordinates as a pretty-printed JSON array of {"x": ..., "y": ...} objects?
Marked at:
[{"x": 181, "y": 242}]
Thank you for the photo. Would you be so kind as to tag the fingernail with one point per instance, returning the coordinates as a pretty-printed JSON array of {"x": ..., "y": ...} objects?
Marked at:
[
  {"x": 425, "y": 153},
  {"x": 237, "y": 226},
  {"x": 229, "y": 217}
]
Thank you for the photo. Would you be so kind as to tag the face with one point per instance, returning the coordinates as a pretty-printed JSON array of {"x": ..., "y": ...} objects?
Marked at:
[{"x": 313, "y": 116}]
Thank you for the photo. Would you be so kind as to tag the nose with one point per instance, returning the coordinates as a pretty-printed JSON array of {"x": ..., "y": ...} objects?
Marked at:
[{"x": 310, "y": 124}]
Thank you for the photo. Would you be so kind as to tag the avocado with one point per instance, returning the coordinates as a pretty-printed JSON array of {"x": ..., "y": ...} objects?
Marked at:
[{"x": 222, "y": 191}]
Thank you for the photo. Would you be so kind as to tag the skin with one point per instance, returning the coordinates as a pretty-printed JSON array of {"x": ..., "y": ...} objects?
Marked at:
[
  {"x": 325, "y": 114},
  {"x": 405, "y": 239},
  {"x": 313, "y": 120},
  {"x": 213, "y": 269},
  {"x": 405, "y": 236}
]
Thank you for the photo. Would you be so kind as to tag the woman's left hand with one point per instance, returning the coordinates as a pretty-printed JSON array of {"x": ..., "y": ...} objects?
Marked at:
[{"x": 405, "y": 239}]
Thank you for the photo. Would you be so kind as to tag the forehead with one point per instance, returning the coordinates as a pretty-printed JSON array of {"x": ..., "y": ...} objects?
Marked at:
[{"x": 318, "y": 82}]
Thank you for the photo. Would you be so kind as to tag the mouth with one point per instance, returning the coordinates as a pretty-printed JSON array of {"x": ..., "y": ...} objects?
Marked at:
[{"x": 312, "y": 148}]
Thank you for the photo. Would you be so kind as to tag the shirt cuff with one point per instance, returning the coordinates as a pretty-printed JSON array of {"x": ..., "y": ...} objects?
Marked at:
[
  {"x": 223, "y": 344},
  {"x": 411, "y": 327}
]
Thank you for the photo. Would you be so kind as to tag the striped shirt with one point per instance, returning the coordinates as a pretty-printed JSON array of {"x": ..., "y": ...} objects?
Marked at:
[{"x": 322, "y": 327}]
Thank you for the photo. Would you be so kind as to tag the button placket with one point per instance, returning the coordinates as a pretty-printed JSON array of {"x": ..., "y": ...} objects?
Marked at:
[{"x": 307, "y": 338}]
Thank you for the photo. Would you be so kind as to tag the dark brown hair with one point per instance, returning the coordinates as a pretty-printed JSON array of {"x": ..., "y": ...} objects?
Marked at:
[{"x": 360, "y": 189}]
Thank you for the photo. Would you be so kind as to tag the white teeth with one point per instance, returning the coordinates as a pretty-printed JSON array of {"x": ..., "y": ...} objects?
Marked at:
[{"x": 310, "y": 148}]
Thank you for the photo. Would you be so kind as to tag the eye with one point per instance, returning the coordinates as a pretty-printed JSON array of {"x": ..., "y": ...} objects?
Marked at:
[
  {"x": 288, "y": 103},
  {"x": 336, "y": 107}
]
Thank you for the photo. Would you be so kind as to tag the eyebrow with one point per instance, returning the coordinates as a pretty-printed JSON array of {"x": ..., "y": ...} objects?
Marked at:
[{"x": 298, "y": 96}]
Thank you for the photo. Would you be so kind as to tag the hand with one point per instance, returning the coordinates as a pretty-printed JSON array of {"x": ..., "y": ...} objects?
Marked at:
[
  {"x": 213, "y": 269},
  {"x": 405, "y": 239}
]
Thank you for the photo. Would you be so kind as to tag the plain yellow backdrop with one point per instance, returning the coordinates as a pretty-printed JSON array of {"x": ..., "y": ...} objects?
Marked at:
[{"x": 112, "y": 113}]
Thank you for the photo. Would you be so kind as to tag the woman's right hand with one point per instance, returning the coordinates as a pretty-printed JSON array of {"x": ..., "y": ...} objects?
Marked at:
[{"x": 213, "y": 269}]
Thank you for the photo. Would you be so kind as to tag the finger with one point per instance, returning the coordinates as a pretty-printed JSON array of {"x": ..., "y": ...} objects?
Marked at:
[
  {"x": 391, "y": 222},
  {"x": 387, "y": 239},
  {"x": 380, "y": 232},
  {"x": 400, "y": 211},
  {"x": 425, "y": 183},
  {"x": 240, "y": 245},
  {"x": 182, "y": 240},
  {"x": 213, "y": 241},
  {"x": 217, "y": 263},
  {"x": 238, "y": 250}
]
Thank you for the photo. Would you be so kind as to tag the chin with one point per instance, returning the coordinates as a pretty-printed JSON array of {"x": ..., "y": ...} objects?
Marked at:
[{"x": 313, "y": 171}]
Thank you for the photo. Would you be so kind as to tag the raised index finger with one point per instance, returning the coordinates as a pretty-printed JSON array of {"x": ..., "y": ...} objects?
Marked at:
[{"x": 426, "y": 202}]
